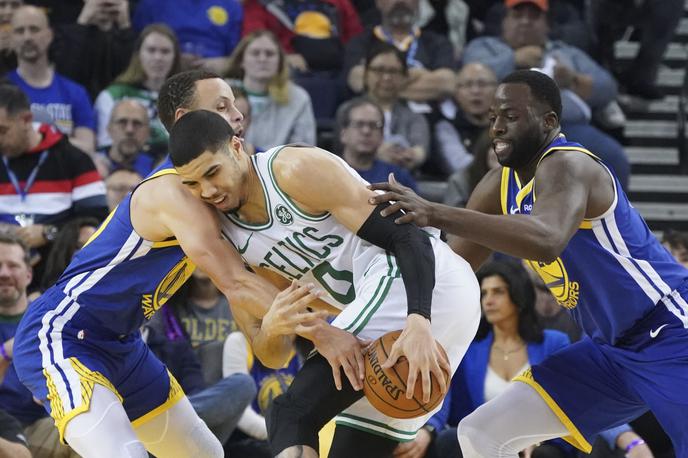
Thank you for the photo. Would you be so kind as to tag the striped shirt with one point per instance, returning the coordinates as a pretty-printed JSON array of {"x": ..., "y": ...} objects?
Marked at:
[{"x": 51, "y": 183}]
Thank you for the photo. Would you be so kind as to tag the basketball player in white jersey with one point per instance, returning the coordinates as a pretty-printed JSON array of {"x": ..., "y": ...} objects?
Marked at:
[{"x": 302, "y": 213}]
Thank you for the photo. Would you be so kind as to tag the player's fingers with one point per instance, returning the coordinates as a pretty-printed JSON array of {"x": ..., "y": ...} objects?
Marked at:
[
  {"x": 303, "y": 302},
  {"x": 411, "y": 381},
  {"x": 380, "y": 186},
  {"x": 336, "y": 374},
  {"x": 395, "y": 207},
  {"x": 407, "y": 218},
  {"x": 360, "y": 363},
  {"x": 350, "y": 374},
  {"x": 393, "y": 356},
  {"x": 427, "y": 385},
  {"x": 381, "y": 198},
  {"x": 437, "y": 371}
]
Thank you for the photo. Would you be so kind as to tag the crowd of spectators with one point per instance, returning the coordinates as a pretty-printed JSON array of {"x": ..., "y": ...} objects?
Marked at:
[{"x": 391, "y": 86}]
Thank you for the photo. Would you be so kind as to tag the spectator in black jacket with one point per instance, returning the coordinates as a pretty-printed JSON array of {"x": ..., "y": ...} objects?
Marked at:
[{"x": 97, "y": 48}]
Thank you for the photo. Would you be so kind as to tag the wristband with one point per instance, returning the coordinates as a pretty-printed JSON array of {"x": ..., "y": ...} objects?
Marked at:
[
  {"x": 4, "y": 354},
  {"x": 634, "y": 443}
]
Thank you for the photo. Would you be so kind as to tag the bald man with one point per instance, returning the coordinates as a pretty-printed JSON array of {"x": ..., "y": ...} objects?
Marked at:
[{"x": 66, "y": 101}]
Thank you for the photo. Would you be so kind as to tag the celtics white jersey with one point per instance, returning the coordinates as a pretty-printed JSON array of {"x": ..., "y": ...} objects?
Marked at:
[{"x": 298, "y": 245}]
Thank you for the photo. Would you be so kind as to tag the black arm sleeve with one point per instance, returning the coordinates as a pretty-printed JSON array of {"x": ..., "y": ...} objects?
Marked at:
[{"x": 413, "y": 251}]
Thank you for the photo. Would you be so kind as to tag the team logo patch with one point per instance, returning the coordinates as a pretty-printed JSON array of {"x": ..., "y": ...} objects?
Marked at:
[
  {"x": 218, "y": 15},
  {"x": 174, "y": 279},
  {"x": 271, "y": 387},
  {"x": 556, "y": 278},
  {"x": 284, "y": 215}
]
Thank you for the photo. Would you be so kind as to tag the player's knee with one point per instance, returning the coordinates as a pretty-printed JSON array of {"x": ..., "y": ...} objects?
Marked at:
[
  {"x": 202, "y": 442},
  {"x": 472, "y": 439}
]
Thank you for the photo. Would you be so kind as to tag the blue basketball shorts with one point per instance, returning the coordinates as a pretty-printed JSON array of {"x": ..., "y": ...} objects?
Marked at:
[
  {"x": 593, "y": 386},
  {"x": 60, "y": 353}
]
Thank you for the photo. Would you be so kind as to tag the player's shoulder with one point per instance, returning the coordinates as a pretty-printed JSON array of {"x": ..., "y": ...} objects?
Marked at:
[
  {"x": 571, "y": 163},
  {"x": 302, "y": 160}
]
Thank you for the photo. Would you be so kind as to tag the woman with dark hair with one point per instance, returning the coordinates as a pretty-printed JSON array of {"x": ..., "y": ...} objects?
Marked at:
[
  {"x": 68, "y": 241},
  {"x": 509, "y": 340},
  {"x": 406, "y": 134}
]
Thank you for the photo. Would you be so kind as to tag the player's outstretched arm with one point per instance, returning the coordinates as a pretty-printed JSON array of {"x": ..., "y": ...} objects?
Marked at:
[
  {"x": 301, "y": 172},
  {"x": 195, "y": 226},
  {"x": 563, "y": 183}
]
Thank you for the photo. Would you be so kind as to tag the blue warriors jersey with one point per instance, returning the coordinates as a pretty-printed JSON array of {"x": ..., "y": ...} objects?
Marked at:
[
  {"x": 119, "y": 278},
  {"x": 613, "y": 270},
  {"x": 271, "y": 382}
]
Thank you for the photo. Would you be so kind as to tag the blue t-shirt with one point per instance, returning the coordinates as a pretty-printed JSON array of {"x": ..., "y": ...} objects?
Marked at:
[
  {"x": 65, "y": 101},
  {"x": 381, "y": 170},
  {"x": 209, "y": 28},
  {"x": 15, "y": 398}
]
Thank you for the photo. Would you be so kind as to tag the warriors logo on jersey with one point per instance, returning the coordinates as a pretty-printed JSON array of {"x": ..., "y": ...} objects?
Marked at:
[
  {"x": 174, "y": 279},
  {"x": 557, "y": 280}
]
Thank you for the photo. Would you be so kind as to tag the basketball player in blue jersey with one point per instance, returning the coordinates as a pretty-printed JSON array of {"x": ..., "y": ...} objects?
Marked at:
[
  {"x": 78, "y": 347},
  {"x": 555, "y": 204}
]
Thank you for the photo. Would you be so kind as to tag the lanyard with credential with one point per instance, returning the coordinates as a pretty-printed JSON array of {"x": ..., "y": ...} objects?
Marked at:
[{"x": 22, "y": 192}]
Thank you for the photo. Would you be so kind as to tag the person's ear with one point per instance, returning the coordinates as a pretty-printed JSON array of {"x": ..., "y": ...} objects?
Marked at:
[
  {"x": 179, "y": 112},
  {"x": 550, "y": 120}
]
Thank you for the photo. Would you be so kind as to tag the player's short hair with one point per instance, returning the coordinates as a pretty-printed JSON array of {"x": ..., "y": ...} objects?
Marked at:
[
  {"x": 197, "y": 132},
  {"x": 13, "y": 99},
  {"x": 8, "y": 238},
  {"x": 179, "y": 91},
  {"x": 542, "y": 87}
]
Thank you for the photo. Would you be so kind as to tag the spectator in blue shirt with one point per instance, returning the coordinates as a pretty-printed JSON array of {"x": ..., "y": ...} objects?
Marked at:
[
  {"x": 360, "y": 123},
  {"x": 208, "y": 30},
  {"x": 66, "y": 101}
]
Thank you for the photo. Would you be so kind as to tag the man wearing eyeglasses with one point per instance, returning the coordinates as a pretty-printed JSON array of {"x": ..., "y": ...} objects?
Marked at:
[
  {"x": 129, "y": 129},
  {"x": 360, "y": 124}
]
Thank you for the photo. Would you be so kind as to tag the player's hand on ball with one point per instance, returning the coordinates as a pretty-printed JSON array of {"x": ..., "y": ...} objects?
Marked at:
[
  {"x": 341, "y": 349},
  {"x": 420, "y": 349},
  {"x": 418, "y": 210},
  {"x": 289, "y": 309}
]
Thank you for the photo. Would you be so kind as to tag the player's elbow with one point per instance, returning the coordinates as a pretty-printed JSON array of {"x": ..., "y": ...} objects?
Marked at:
[{"x": 549, "y": 250}]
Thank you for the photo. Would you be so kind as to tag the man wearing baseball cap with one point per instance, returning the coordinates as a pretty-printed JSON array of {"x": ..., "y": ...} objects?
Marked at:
[{"x": 586, "y": 87}]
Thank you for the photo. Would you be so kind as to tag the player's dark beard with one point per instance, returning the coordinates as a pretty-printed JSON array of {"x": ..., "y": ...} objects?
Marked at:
[
  {"x": 524, "y": 150},
  {"x": 401, "y": 16}
]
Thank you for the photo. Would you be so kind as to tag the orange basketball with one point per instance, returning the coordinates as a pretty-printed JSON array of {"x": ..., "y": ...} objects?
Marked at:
[{"x": 386, "y": 388}]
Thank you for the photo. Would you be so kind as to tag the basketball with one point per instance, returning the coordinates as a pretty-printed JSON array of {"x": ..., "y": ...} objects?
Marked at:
[{"x": 386, "y": 388}]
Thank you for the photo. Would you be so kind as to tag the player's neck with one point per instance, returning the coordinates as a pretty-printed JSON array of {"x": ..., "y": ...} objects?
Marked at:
[
  {"x": 527, "y": 172},
  {"x": 254, "y": 211}
]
